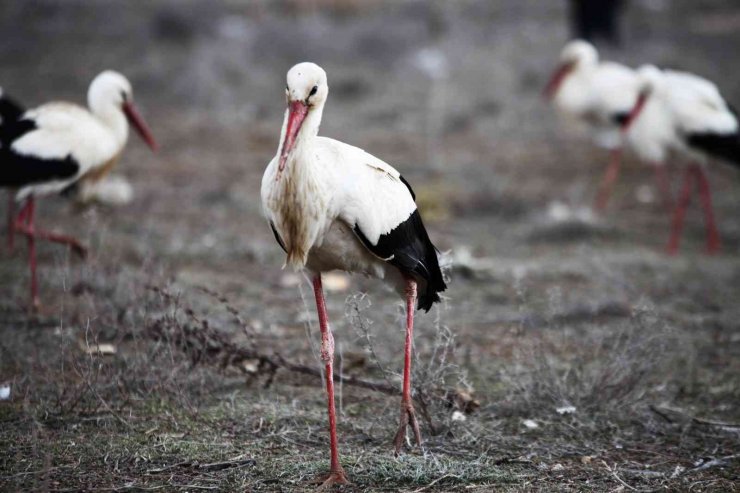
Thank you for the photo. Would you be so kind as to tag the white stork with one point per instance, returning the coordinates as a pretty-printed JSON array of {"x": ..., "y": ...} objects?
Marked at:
[
  {"x": 51, "y": 148},
  {"x": 598, "y": 95},
  {"x": 334, "y": 206},
  {"x": 685, "y": 114}
]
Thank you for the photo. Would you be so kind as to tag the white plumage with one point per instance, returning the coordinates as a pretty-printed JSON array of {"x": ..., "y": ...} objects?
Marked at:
[
  {"x": 93, "y": 138},
  {"x": 678, "y": 105},
  {"x": 336, "y": 186}
]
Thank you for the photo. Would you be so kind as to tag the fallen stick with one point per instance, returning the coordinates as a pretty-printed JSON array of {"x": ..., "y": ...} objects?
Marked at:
[
  {"x": 214, "y": 466},
  {"x": 205, "y": 344},
  {"x": 279, "y": 362},
  {"x": 670, "y": 416}
]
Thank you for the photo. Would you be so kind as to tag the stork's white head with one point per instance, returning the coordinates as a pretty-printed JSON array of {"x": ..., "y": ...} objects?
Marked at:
[
  {"x": 575, "y": 55},
  {"x": 110, "y": 93},
  {"x": 307, "y": 84},
  {"x": 579, "y": 52},
  {"x": 650, "y": 80},
  {"x": 305, "y": 93}
]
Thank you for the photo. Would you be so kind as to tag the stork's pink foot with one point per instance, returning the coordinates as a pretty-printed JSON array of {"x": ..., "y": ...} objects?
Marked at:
[
  {"x": 335, "y": 477},
  {"x": 408, "y": 417}
]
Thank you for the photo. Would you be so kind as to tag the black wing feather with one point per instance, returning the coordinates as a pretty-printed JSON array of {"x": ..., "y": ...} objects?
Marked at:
[
  {"x": 10, "y": 110},
  {"x": 11, "y": 125},
  {"x": 408, "y": 185},
  {"x": 620, "y": 118},
  {"x": 17, "y": 170},
  {"x": 277, "y": 237},
  {"x": 722, "y": 146},
  {"x": 408, "y": 248}
]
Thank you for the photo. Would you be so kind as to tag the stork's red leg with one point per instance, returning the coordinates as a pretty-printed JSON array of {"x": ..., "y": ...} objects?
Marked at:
[
  {"x": 336, "y": 473},
  {"x": 607, "y": 182},
  {"x": 680, "y": 211},
  {"x": 28, "y": 230},
  {"x": 408, "y": 415},
  {"x": 664, "y": 185},
  {"x": 27, "y": 214},
  {"x": 705, "y": 193}
]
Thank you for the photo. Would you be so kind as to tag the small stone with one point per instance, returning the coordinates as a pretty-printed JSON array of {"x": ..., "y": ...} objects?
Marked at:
[
  {"x": 562, "y": 410},
  {"x": 335, "y": 282}
]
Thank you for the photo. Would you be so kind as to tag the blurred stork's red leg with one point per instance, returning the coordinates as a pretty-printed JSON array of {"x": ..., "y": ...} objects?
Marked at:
[
  {"x": 705, "y": 193},
  {"x": 29, "y": 229},
  {"x": 336, "y": 473},
  {"x": 607, "y": 182},
  {"x": 24, "y": 224},
  {"x": 408, "y": 415},
  {"x": 680, "y": 211}
]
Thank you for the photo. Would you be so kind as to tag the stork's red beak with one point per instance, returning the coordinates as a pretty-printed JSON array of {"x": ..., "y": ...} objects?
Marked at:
[
  {"x": 557, "y": 78},
  {"x": 139, "y": 124},
  {"x": 297, "y": 111},
  {"x": 636, "y": 110}
]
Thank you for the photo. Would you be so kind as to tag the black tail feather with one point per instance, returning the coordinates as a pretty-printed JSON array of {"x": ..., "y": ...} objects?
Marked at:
[{"x": 721, "y": 146}]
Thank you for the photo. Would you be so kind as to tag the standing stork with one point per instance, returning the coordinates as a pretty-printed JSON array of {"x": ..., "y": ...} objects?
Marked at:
[
  {"x": 598, "y": 95},
  {"x": 334, "y": 206},
  {"x": 685, "y": 114},
  {"x": 51, "y": 148}
]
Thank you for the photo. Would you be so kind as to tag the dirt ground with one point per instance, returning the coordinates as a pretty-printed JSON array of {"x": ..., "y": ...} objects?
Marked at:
[{"x": 569, "y": 354}]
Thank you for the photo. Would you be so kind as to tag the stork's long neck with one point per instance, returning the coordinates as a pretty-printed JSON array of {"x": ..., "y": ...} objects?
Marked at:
[
  {"x": 298, "y": 198},
  {"x": 306, "y": 135},
  {"x": 112, "y": 117}
]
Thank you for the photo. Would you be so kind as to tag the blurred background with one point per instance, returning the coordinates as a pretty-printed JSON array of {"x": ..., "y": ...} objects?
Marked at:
[{"x": 549, "y": 307}]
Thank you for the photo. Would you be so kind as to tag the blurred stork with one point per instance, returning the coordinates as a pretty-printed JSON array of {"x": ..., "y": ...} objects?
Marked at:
[
  {"x": 51, "y": 148},
  {"x": 334, "y": 206},
  {"x": 599, "y": 96},
  {"x": 686, "y": 114}
]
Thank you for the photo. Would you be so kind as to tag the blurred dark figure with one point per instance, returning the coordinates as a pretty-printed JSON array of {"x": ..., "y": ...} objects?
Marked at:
[{"x": 595, "y": 20}]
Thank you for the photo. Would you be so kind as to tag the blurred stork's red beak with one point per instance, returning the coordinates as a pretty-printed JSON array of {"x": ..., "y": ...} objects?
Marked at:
[
  {"x": 636, "y": 110},
  {"x": 557, "y": 78},
  {"x": 135, "y": 119},
  {"x": 297, "y": 111}
]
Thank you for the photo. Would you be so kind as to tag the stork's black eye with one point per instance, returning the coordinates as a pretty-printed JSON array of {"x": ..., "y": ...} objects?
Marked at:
[
  {"x": 124, "y": 96},
  {"x": 313, "y": 91}
]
